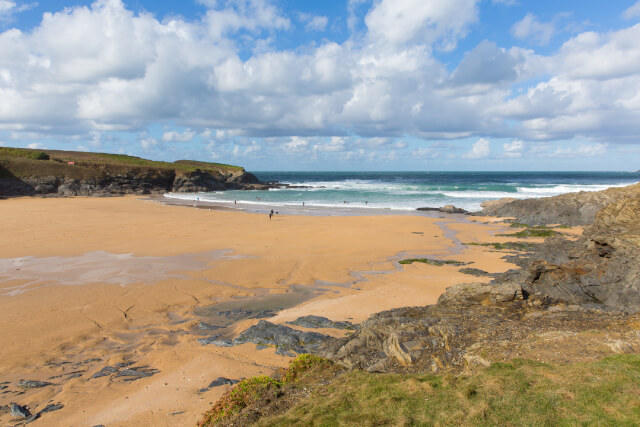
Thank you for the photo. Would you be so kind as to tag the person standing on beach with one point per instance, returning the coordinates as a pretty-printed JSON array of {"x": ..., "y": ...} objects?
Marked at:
[{"x": 270, "y": 214}]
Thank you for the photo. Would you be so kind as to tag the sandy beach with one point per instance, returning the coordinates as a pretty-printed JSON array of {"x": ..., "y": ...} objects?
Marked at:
[{"x": 89, "y": 283}]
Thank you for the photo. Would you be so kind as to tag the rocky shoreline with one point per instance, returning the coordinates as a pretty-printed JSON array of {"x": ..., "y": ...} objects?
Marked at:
[
  {"x": 569, "y": 300},
  {"x": 563, "y": 286},
  {"x": 66, "y": 173}
]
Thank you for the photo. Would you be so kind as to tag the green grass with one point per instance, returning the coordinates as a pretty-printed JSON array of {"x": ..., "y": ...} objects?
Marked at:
[
  {"x": 531, "y": 232},
  {"x": 249, "y": 391},
  {"x": 21, "y": 162},
  {"x": 431, "y": 261},
  {"x": 510, "y": 246},
  {"x": 26, "y": 154},
  {"x": 521, "y": 392},
  {"x": 522, "y": 225}
]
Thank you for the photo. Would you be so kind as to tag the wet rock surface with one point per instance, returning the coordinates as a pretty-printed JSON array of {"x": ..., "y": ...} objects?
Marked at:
[
  {"x": 288, "y": 341},
  {"x": 445, "y": 209},
  {"x": 33, "y": 384},
  {"x": 126, "y": 373}
]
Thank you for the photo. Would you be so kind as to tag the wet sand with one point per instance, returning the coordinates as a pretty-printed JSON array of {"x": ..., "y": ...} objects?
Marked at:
[{"x": 87, "y": 283}]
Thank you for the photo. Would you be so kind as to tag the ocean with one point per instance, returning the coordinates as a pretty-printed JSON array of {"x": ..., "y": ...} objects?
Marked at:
[{"x": 405, "y": 191}]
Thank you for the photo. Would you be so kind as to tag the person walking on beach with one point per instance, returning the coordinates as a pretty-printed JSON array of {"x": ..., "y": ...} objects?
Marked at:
[{"x": 270, "y": 214}]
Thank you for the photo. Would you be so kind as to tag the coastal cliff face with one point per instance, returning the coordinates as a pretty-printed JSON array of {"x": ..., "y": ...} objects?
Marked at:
[
  {"x": 568, "y": 301},
  {"x": 67, "y": 173},
  {"x": 566, "y": 209}
]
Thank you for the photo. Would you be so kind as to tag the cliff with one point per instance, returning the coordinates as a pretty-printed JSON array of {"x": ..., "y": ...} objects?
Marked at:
[{"x": 26, "y": 172}]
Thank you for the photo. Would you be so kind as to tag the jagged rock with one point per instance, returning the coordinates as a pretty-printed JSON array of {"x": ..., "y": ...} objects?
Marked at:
[
  {"x": 288, "y": 341},
  {"x": 568, "y": 209},
  {"x": 602, "y": 267},
  {"x": 314, "y": 322},
  {"x": 563, "y": 288}
]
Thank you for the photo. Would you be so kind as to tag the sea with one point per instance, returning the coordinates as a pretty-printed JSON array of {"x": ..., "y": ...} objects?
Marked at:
[{"x": 398, "y": 192}]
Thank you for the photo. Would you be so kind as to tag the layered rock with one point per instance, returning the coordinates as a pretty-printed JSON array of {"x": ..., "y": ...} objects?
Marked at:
[
  {"x": 570, "y": 300},
  {"x": 567, "y": 209}
]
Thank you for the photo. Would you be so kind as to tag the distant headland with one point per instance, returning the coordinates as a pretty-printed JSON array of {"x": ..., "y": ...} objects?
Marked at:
[{"x": 27, "y": 172}]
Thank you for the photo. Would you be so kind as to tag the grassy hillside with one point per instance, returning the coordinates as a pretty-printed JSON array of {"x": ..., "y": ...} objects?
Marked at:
[
  {"x": 22, "y": 162},
  {"x": 521, "y": 392}
]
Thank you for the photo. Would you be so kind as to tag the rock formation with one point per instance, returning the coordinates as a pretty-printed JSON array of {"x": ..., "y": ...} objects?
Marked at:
[
  {"x": 567, "y": 209},
  {"x": 66, "y": 173},
  {"x": 570, "y": 300}
]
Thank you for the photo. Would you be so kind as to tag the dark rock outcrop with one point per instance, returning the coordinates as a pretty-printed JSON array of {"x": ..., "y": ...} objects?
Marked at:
[
  {"x": 602, "y": 267},
  {"x": 569, "y": 300},
  {"x": 288, "y": 341},
  {"x": 566, "y": 209},
  {"x": 95, "y": 174},
  {"x": 445, "y": 209},
  {"x": 314, "y": 322}
]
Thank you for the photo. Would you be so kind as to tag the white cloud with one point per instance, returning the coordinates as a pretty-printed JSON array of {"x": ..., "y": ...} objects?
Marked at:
[
  {"x": 505, "y": 2},
  {"x": 35, "y": 145},
  {"x": 336, "y": 143},
  {"x": 480, "y": 149},
  {"x": 514, "y": 148},
  {"x": 296, "y": 145},
  {"x": 632, "y": 12},
  {"x": 314, "y": 22},
  {"x": 9, "y": 8},
  {"x": 104, "y": 68},
  {"x": 583, "y": 150},
  {"x": 431, "y": 21},
  {"x": 529, "y": 28},
  {"x": 176, "y": 136}
]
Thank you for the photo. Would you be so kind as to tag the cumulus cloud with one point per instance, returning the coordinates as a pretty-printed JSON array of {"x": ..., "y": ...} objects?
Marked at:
[
  {"x": 487, "y": 63},
  {"x": 513, "y": 148},
  {"x": 632, "y": 12},
  {"x": 176, "y": 136},
  {"x": 104, "y": 68},
  {"x": 480, "y": 149},
  {"x": 531, "y": 29},
  {"x": 430, "y": 21},
  {"x": 583, "y": 150}
]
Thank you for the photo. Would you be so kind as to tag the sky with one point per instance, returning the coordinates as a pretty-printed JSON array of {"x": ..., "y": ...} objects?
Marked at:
[{"x": 327, "y": 85}]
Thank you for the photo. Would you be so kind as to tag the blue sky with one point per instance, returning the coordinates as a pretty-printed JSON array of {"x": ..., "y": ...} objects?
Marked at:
[{"x": 332, "y": 85}]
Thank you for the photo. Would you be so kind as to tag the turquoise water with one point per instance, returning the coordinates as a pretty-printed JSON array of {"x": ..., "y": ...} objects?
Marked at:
[{"x": 406, "y": 191}]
